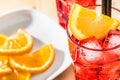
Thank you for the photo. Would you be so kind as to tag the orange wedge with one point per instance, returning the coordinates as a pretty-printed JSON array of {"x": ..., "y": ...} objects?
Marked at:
[
  {"x": 2, "y": 39},
  {"x": 38, "y": 61},
  {"x": 15, "y": 76},
  {"x": 84, "y": 23},
  {"x": 4, "y": 67},
  {"x": 22, "y": 42}
]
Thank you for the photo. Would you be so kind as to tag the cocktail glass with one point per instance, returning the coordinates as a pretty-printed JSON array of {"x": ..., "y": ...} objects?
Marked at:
[
  {"x": 90, "y": 61},
  {"x": 64, "y": 7}
]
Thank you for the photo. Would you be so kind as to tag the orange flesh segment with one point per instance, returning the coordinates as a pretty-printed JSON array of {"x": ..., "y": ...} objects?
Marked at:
[{"x": 21, "y": 43}]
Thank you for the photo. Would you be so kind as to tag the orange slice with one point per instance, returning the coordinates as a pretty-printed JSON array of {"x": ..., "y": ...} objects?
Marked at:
[
  {"x": 15, "y": 76},
  {"x": 4, "y": 68},
  {"x": 38, "y": 61},
  {"x": 22, "y": 42},
  {"x": 84, "y": 23},
  {"x": 2, "y": 39}
]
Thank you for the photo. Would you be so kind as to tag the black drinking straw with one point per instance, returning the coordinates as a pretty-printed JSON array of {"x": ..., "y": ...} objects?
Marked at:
[
  {"x": 106, "y": 7},
  {"x": 109, "y": 3}
]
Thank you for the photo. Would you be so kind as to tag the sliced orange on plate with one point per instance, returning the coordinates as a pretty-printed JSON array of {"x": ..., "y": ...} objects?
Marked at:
[
  {"x": 15, "y": 76},
  {"x": 4, "y": 67},
  {"x": 38, "y": 61},
  {"x": 2, "y": 39},
  {"x": 19, "y": 67},
  {"x": 84, "y": 23},
  {"x": 21, "y": 43}
]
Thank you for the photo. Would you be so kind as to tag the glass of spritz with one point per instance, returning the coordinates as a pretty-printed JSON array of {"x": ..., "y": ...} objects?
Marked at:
[
  {"x": 94, "y": 43},
  {"x": 64, "y": 7}
]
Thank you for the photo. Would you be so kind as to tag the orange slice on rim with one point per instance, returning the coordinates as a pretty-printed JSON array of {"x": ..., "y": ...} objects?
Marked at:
[
  {"x": 22, "y": 42},
  {"x": 38, "y": 61},
  {"x": 84, "y": 23}
]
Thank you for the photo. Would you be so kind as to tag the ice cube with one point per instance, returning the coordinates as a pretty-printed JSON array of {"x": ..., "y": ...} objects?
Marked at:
[
  {"x": 112, "y": 40},
  {"x": 90, "y": 54},
  {"x": 91, "y": 42}
]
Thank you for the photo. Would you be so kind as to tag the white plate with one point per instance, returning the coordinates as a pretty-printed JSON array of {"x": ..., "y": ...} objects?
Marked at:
[{"x": 44, "y": 31}]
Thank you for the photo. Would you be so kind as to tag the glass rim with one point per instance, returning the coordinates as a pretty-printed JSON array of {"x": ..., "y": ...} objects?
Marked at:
[
  {"x": 112, "y": 7},
  {"x": 79, "y": 45}
]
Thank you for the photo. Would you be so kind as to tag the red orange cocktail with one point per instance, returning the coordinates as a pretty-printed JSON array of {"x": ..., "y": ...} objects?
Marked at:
[{"x": 94, "y": 43}]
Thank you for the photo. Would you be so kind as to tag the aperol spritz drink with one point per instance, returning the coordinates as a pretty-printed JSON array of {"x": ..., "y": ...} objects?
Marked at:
[
  {"x": 94, "y": 43},
  {"x": 64, "y": 7}
]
